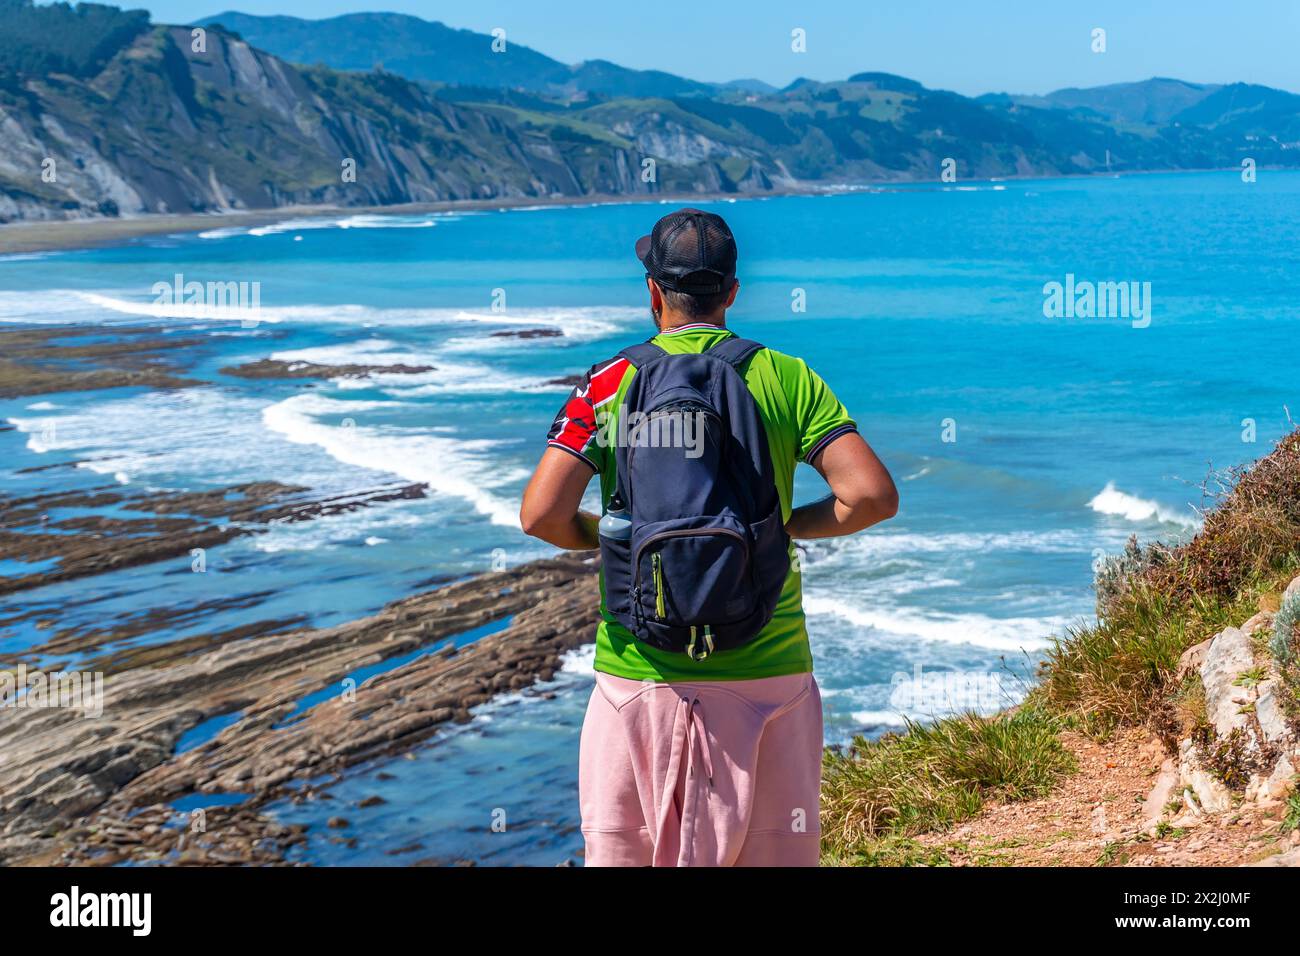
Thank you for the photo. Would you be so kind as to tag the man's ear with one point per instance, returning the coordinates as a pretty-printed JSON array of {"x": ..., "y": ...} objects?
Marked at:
[
  {"x": 735, "y": 287},
  {"x": 656, "y": 297}
]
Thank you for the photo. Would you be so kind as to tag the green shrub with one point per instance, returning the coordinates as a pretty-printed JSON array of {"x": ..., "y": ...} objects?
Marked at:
[{"x": 1284, "y": 628}]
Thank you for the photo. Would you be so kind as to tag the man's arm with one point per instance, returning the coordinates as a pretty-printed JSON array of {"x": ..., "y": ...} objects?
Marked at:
[
  {"x": 862, "y": 492},
  {"x": 551, "y": 500}
]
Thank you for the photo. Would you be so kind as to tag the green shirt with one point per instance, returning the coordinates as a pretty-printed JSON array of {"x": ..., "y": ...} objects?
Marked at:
[{"x": 801, "y": 416}]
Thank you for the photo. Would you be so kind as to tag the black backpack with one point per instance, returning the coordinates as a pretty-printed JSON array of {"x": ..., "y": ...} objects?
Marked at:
[{"x": 708, "y": 554}]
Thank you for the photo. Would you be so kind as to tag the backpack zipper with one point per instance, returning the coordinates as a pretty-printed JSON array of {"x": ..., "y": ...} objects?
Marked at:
[
  {"x": 657, "y": 568},
  {"x": 686, "y": 533}
]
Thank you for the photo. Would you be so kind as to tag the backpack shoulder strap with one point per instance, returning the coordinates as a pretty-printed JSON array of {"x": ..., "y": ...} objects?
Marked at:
[
  {"x": 642, "y": 353},
  {"x": 734, "y": 350}
]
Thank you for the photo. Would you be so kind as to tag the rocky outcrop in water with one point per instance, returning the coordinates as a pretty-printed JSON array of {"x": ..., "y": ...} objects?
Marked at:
[
  {"x": 280, "y": 369},
  {"x": 171, "y": 525},
  {"x": 42, "y": 361}
]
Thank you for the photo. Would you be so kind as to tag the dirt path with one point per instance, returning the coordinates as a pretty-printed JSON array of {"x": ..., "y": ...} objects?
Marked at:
[{"x": 1095, "y": 818}]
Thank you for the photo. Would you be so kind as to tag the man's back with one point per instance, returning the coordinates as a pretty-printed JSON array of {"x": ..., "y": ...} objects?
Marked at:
[{"x": 800, "y": 416}]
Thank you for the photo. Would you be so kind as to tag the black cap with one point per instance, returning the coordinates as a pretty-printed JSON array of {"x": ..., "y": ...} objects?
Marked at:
[{"x": 690, "y": 251}]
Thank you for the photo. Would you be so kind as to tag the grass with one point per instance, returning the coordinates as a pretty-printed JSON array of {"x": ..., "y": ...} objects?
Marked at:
[
  {"x": 885, "y": 851},
  {"x": 1154, "y": 603},
  {"x": 1291, "y": 821},
  {"x": 933, "y": 776}
]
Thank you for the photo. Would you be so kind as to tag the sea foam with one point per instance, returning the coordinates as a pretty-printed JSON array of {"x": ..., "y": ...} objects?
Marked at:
[
  {"x": 1111, "y": 501},
  {"x": 977, "y": 630},
  {"x": 450, "y": 466}
]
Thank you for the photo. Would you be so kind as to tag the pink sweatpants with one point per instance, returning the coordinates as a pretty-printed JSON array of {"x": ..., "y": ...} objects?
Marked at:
[{"x": 716, "y": 773}]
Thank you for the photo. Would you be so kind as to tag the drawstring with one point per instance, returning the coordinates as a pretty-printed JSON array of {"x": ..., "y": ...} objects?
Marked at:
[
  {"x": 695, "y": 734},
  {"x": 690, "y": 755}
]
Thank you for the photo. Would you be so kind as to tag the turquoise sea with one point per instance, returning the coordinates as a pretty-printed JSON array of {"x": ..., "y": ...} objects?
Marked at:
[{"x": 1023, "y": 445}]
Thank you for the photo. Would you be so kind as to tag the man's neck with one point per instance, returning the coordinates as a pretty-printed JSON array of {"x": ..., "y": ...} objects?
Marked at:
[{"x": 670, "y": 323}]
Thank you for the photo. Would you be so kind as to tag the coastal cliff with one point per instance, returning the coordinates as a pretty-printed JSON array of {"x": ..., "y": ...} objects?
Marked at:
[{"x": 120, "y": 118}]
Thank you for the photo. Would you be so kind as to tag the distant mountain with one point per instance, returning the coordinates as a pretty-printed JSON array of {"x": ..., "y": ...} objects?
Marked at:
[
  {"x": 1243, "y": 109},
  {"x": 1240, "y": 109},
  {"x": 747, "y": 86},
  {"x": 105, "y": 114},
  {"x": 431, "y": 51},
  {"x": 1149, "y": 102}
]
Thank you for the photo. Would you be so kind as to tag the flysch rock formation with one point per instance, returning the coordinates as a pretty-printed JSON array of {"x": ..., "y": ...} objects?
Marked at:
[{"x": 98, "y": 790}]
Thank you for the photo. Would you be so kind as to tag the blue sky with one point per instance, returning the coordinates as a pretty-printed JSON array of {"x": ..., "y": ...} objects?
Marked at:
[{"x": 1011, "y": 45}]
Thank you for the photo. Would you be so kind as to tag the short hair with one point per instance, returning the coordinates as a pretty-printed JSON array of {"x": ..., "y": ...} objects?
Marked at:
[{"x": 694, "y": 305}]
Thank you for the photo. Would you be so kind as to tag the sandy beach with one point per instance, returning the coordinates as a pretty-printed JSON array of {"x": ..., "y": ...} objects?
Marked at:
[{"x": 85, "y": 233}]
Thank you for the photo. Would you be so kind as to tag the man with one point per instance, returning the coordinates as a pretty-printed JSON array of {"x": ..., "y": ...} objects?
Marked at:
[{"x": 693, "y": 758}]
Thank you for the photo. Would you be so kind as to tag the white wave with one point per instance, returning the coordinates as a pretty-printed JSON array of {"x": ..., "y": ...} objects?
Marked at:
[
  {"x": 65, "y": 306},
  {"x": 454, "y": 467},
  {"x": 225, "y": 232},
  {"x": 878, "y": 546},
  {"x": 398, "y": 222},
  {"x": 28, "y": 256},
  {"x": 580, "y": 660},
  {"x": 153, "y": 309},
  {"x": 42, "y": 407},
  {"x": 329, "y": 532},
  {"x": 443, "y": 378},
  {"x": 582, "y": 323},
  {"x": 577, "y": 322},
  {"x": 1111, "y": 501},
  {"x": 186, "y": 438},
  {"x": 930, "y": 693},
  {"x": 354, "y": 222},
  {"x": 977, "y": 630},
  {"x": 31, "y": 307},
  {"x": 879, "y": 718},
  {"x": 446, "y": 379}
]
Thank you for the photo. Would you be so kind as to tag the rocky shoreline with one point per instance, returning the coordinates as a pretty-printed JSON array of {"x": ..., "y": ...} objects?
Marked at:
[
  {"x": 95, "y": 792},
  {"x": 279, "y": 369},
  {"x": 172, "y": 524},
  {"x": 43, "y": 361},
  {"x": 290, "y": 720},
  {"x": 1245, "y": 747}
]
